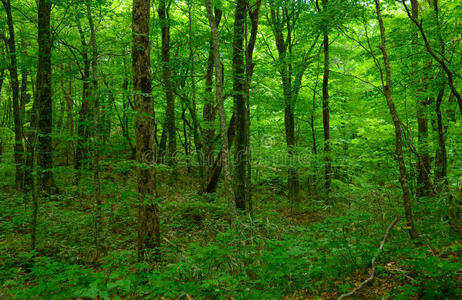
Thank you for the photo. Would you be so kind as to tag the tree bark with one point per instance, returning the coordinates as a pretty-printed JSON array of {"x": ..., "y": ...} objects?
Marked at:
[
  {"x": 290, "y": 88},
  {"x": 100, "y": 239},
  {"x": 14, "y": 80},
  {"x": 325, "y": 109},
  {"x": 83, "y": 129},
  {"x": 209, "y": 111},
  {"x": 163, "y": 12},
  {"x": 240, "y": 111},
  {"x": 222, "y": 113},
  {"x": 423, "y": 165},
  {"x": 148, "y": 211},
  {"x": 45, "y": 108},
  {"x": 249, "y": 67},
  {"x": 386, "y": 86}
]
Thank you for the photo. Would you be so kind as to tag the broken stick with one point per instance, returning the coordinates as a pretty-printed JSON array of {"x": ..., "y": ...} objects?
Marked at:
[{"x": 387, "y": 232}]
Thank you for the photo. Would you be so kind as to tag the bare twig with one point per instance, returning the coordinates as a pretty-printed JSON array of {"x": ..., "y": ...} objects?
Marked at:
[{"x": 368, "y": 280}]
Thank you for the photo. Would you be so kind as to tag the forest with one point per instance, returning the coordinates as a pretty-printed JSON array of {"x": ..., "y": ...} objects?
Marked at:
[{"x": 230, "y": 149}]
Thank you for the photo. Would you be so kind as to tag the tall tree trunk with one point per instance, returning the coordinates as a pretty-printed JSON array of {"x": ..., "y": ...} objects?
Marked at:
[
  {"x": 222, "y": 113},
  {"x": 441, "y": 159},
  {"x": 13, "y": 68},
  {"x": 100, "y": 239},
  {"x": 285, "y": 70},
  {"x": 423, "y": 164},
  {"x": 249, "y": 67},
  {"x": 148, "y": 212},
  {"x": 397, "y": 124},
  {"x": 45, "y": 109},
  {"x": 325, "y": 108},
  {"x": 209, "y": 112},
  {"x": 192, "y": 106},
  {"x": 163, "y": 12},
  {"x": 240, "y": 152},
  {"x": 67, "y": 91},
  {"x": 83, "y": 129}
]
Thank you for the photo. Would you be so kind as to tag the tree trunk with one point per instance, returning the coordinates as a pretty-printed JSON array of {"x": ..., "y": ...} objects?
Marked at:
[
  {"x": 83, "y": 130},
  {"x": 397, "y": 124},
  {"x": 441, "y": 159},
  {"x": 163, "y": 12},
  {"x": 215, "y": 171},
  {"x": 229, "y": 192},
  {"x": 148, "y": 212},
  {"x": 249, "y": 67},
  {"x": 285, "y": 70},
  {"x": 45, "y": 108},
  {"x": 14, "y": 80},
  {"x": 240, "y": 111},
  {"x": 67, "y": 91},
  {"x": 209, "y": 112},
  {"x": 100, "y": 239},
  {"x": 325, "y": 109},
  {"x": 423, "y": 164}
]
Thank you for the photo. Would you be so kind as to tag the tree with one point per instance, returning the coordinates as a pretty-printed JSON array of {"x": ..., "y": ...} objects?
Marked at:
[
  {"x": 291, "y": 76},
  {"x": 100, "y": 239},
  {"x": 14, "y": 79},
  {"x": 225, "y": 160},
  {"x": 45, "y": 105},
  {"x": 164, "y": 17},
  {"x": 148, "y": 211},
  {"x": 325, "y": 103},
  {"x": 386, "y": 86},
  {"x": 240, "y": 110}
]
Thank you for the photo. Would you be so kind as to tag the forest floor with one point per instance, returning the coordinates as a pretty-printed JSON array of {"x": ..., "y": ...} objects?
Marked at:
[{"x": 308, "y": 251}]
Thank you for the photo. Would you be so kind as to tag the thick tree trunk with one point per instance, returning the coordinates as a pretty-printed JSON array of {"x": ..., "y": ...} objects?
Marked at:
[
  {"x": 397, "y": 124},
  {"x": 229, "y": 192},
  {"x": 240, "y": 151},
  {"x": 148, "y": 212},
  {"x": 45, "y": 108},
  {"x": 14, "y": 81},
  {"x": 163, "y": 12}
]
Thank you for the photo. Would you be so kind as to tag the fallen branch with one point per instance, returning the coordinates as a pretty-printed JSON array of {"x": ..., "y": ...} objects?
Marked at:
[{"x": 368, "y": 280}]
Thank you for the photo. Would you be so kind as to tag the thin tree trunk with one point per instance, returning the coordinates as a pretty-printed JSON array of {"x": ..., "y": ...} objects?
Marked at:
[
  {"x": 423, "y": 164},
  {"x": 285, "y": 71},
  {"x": 229, "y": 192},
  {"x": 240, "y": 151},
  {"x": 249, "y": 67},
  {"x": 325, "y": 109},
  {"x": 192, "y": 107},
  {"x": 441, "y": 160},
  {"x": 148, "y": 211},
  {"x": 440, "y": 58},
  {"x": 14, "y": 80},
  {"x": 83, "y": 130},
  {"x": 209, "y": 112},
  {"x": 163, "y": 12},
  {"x": 100, "y": 239},
  {"x": 397, "y": 124}
]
